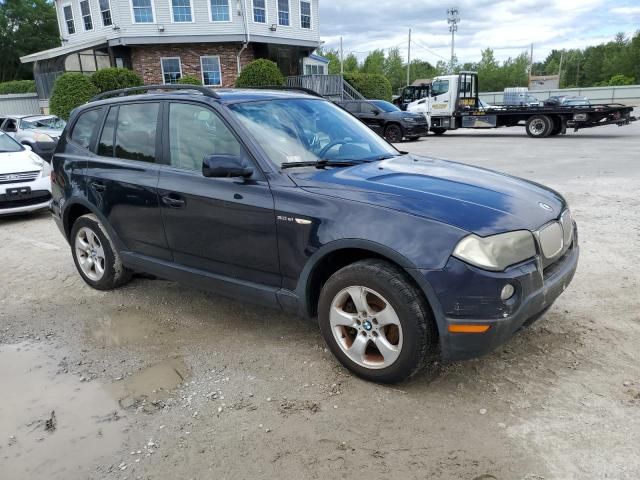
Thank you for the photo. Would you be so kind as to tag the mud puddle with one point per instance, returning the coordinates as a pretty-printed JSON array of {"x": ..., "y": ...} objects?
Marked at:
[
  {"x": 128, "y": 326},
  {"x": 52, "y": 425}
]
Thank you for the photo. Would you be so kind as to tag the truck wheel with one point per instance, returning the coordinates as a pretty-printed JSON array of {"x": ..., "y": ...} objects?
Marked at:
[
  {"x": 557, "y": 127},
  {"x": 95, "y": 256},
  {"x": 539, "y": 126},
  {"x": 438, "y": 131},
  {"x": 393, "y": 133},
  {"x": 376, "y": 322}
]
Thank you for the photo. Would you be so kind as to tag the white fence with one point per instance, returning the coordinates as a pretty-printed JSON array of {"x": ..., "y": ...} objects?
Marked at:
[
  {"x": 629, "y": 95},
  {"x": 20, "y": 103}
]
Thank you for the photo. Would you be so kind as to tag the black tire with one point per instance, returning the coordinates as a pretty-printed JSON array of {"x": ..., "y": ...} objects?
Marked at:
[
  {"x": 393, "y": 133},
  {"x": 438, "y": 131},
  {"x": 557, "y": 127},
  {"x": 419, "y": 332},
  {"x": 539, "y": 126},
  {"x": 413, "y": 139},
  {"x": 115, "y": 274}
]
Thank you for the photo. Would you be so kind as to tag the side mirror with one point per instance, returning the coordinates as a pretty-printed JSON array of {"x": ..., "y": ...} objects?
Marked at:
[
  {"x": 376, "y": 112},
  {"x": 223, "y": 166},
  {"x": 27, "y": 147}
]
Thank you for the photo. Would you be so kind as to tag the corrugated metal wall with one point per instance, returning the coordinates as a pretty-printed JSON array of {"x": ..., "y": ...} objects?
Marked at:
[
  {"x": 629, "y": 95},
  {"x": 23, "y": 103}
]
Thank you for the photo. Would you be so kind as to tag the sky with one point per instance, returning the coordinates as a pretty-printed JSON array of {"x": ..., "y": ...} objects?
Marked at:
[{"x": 507, "y": 26}]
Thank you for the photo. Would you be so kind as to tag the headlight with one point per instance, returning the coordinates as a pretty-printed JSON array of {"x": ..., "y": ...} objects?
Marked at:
[
  {"x": 496, "y": 252},
  {"x": 43, "y": 137},
  {"x": 409, "y": 119}
]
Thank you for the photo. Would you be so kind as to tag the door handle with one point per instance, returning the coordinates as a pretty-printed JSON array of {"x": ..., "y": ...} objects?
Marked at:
[
  {"x": 173, "y": 202},
  {"x": 98, "y": 186}
]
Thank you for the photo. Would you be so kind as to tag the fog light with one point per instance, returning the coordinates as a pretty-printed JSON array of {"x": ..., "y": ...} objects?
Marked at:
[{"x": 507, "y": 292}]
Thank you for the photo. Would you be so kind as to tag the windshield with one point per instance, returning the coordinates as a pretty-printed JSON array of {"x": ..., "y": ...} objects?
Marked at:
[
  {"x": 8, "y": 144},
  {"x": 308, "y": 130},
  {"x": 439, "y": 87},
  {"x": 385, "y": 106},
  {"x": 50, "y": 123}
]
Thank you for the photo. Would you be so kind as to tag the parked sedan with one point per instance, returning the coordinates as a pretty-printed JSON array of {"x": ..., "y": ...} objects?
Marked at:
[
  {"x": 24, "y": 178},
  {"x": 40, "y": 132},
  {"x": 387, "y": 120}
]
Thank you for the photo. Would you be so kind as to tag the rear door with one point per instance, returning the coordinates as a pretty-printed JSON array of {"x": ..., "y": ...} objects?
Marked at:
[
  {"x": 225, "y": 226},
  {"x": 122, "y": 178}
]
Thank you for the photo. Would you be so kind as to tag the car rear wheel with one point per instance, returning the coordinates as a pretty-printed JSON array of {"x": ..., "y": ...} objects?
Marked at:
[
  {"x": 95, "y": 256},
  {"x": 539, "y": 126},
  {"x": 393, "y": 133},
  {"x": 376, "y": 322}
]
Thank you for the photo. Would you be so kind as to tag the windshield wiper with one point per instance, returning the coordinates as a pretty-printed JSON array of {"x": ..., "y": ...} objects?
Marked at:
[{"x": 324, "y": 163}]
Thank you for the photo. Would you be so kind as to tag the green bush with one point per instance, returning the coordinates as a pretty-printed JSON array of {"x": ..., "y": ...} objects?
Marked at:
[
  {"x": 260, "y": 73},
  {"x": 17, "y": 86},
  {"x": 189, "y": 80},
  {"x": 371, "y": 85},
  {"x": 115, "y": 78},
  {"x": 70, "y": 91},
  {"x": 617, "y": 80}
]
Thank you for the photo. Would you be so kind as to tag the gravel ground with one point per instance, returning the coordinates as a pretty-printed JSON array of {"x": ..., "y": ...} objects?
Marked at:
[{"x": 156, "y": 380}]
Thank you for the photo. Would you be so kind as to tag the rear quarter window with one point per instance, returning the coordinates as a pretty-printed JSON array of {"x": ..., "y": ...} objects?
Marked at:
[{"x": 86, "y": 127}]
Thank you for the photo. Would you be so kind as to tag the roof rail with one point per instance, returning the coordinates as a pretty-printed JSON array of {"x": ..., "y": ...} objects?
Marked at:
[
  {"x": 283, "y": 87},
  {"x": 207, "y": 92}
]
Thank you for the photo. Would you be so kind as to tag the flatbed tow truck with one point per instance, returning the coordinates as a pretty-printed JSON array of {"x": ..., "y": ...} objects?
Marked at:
[{"x": 453, "y": 103}]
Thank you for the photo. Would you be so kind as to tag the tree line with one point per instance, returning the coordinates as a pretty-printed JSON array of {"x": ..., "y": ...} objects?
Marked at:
[{"x": 612, "y": 63}]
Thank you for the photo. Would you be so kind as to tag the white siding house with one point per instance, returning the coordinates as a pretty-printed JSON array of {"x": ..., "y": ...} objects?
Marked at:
[{"x": 164, "y": 39}]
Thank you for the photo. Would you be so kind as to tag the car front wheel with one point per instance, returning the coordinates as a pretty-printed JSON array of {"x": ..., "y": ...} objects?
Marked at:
[
  {"x": 376, "y": 322},
  {"x": 95, "y": 256},
  {"x": 393, "y": 133}
]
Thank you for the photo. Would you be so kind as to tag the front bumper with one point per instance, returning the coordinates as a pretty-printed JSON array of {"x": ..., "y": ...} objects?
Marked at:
[
  {"x": 38, "y": 198},
  {"x": 415, "y": 129},
  {"x": 461, "y": 294}
]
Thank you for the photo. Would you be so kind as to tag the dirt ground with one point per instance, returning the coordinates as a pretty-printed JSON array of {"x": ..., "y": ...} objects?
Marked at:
[{"x": 159, "y": 381}]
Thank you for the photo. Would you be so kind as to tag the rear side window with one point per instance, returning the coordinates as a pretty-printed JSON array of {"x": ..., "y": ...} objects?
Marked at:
[
  {"x": 85, "y": 127},
  {"x": 105, "y": 145},
  {"x": 352, "y": 107},
  {"x": 136, "y": 131}
]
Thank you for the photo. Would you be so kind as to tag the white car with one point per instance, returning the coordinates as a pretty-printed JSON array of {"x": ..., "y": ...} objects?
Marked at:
[{"x": 25, "y": 185}]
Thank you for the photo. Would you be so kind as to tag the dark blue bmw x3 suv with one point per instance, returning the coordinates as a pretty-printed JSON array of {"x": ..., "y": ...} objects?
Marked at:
[{"x": 283, "y": 198}]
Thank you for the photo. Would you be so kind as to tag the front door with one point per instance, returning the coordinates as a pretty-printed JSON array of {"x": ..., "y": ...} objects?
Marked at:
[
  {"x": 225, "y": 226},
  {"x": 442, "y": 100}
]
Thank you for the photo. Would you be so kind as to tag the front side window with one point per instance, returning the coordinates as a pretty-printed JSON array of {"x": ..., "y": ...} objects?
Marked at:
[
  {"x": 211, "y": 74},
  {"x": 259, "y": 11},
  {"x": 136, "y": 131},
  {"x": 283, "y": 12},
  {"x": 68, "y": 19},
  {"x": 142, "y": 11},
  {"x": 85, "y": 127},
  {"x": 105, "y": 12},
  {"x": 85, "y": 10},
  {"x": 305, "y": 14},
  {"x": 439, "y": 87},
  {"x": 171, "y": 70},
  {"x": 306, "y": 130},
  {"x": 220, "y": 11},
  {"x": 196, "y": 132},
  {"x": 181, "y": 10}
]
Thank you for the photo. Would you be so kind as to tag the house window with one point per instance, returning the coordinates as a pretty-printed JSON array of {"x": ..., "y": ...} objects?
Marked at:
[
  {"x": 283, "y": 12},
  {"x": 171, "y": 69},
  {"x": 85, "y": 10},
  {"x": 259, "y": 11},
  {"x": 220, "y": 11},
  {"x": 105, "y": 11},
  {"x": 211, "y": 74},
  {"x": 314, "y": 69},
  {"x": 142, "y": 11},
  {"x": 305, "y": 14},
  {"x": 68, "y": 19},
  {"x": 181, "y": 10}
]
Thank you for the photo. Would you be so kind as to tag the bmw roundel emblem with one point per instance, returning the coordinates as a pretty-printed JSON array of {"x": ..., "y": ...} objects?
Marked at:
[{"x": 545, "y": 206}]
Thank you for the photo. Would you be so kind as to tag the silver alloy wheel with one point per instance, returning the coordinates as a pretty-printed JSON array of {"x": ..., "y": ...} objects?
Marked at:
[
  {"x": 90, "y": 254},
  {"x": 366, "y": 327},
  {"x": 537, "y": 127}
]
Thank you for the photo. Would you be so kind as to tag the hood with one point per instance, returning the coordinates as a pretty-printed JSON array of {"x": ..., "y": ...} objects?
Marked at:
[
  {"x": 46, "y": 131},
  {"x": 475, "y": 199},
  {"x": 401, "y": 115},
  {"x": 18, "y": 162}
]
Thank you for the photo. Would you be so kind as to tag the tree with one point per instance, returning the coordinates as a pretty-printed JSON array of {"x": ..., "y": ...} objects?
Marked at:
[
  {"x": 26, "y": 26},
  {"x": 115, "y": 78},
  {"x": 334, "y": 60},
  {"x": 620, "y": 80},
  {"x": 70, "y": 91},
  {"x": 351, "y": 64},
  {"x": 394, "y": 69},
  {"x": 374, "y": 63}
]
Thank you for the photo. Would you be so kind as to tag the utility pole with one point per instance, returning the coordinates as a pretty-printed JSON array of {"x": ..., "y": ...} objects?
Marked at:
[
  {"x": 560, "y": 69},
  {"x": 409, "y": 59},
  {"x": 578, "y": 75},
  {"x": 341, "y": 58},
  {"x": 530, "y": 65},
  {"x": 453, "y": 18}
]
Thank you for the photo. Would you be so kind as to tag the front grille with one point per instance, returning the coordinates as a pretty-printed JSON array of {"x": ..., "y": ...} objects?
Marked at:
[
  {"x": 33, "y": 198},
  {"x": 551, "y": 239},
  {"x": 21, "y": 177}
]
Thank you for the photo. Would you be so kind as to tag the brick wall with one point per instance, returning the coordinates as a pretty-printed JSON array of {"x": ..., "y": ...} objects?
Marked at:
[{"x": 146, "y": 59}]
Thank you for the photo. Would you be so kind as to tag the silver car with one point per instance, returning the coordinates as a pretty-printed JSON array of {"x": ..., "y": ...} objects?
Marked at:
[{"x": 40, "y": 132}]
